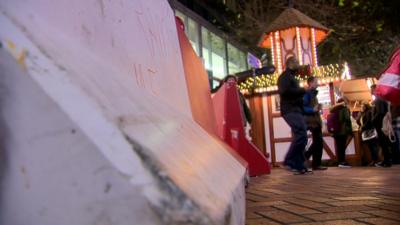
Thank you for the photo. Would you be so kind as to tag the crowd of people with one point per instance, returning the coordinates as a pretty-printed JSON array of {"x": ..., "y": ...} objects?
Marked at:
[{"x": 301, "y": 111}]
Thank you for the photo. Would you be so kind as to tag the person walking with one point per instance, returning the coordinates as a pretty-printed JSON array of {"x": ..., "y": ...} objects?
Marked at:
[
  {"x": 291, "y": 101},
  {"x": 380, "y": 108},
  {"x": 313, "y": 121},
  {"x": 369, "y": 133},
  {"x": 344, "y": 132}
]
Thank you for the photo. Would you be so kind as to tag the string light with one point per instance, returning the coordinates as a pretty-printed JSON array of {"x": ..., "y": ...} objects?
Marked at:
[
  {"x": 314, "y": 47},
  {"x": 346, "y": 72},
  {"x": 272, "y": 50},
  {"x": 299, "y": 54},
  {"x": 278, "y": 52},
  {"x": 268, "y": 83}
]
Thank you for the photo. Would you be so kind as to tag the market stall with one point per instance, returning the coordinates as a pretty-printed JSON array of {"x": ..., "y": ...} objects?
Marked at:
[{"x": 295, "y": 34}]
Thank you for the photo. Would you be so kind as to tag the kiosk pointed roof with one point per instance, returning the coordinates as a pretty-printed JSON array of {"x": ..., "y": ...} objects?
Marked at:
[{"x": 291, "y": 18}]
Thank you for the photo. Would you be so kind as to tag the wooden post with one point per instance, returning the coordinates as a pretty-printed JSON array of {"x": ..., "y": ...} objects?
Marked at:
[{"x": 257, "y": 126}]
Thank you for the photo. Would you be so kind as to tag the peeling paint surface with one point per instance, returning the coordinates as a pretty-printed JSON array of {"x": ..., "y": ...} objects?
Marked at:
[{"x": 130, "y": 103}]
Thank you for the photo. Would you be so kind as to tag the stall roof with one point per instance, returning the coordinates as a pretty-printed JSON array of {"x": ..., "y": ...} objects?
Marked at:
[{"x": 291, "y": 18}]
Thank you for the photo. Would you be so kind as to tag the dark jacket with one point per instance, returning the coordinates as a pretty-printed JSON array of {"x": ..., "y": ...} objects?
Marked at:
[
  {"x": 344, "y": 118},
  {"x": 290, "y": 93},
  {"x": 380, "y": 108},
  {"x": 364, "y": 120},
  {"x": 246, "y": 111},
  {"x": 395, "y": 111},
  {"x": 310, "y": 101}
]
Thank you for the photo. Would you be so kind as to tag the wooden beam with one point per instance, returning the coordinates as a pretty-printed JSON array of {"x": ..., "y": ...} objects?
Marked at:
[
  {"x": 329, "y": 151},
  {"x": 257, "y": 124},
  {"x": 271, "y": 131}
]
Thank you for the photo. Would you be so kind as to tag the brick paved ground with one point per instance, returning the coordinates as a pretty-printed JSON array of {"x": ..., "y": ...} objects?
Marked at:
[{"x": 360, "y": 195}]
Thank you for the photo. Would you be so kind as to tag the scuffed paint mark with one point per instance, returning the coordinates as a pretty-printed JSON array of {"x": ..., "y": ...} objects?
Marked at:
[
  {"x": 112, "y": 42},
  {"x": 19, "y": 55},
  {"x": 125, "y": 176},
  {"x": 25, "y": 177},
  {"x": 174, "y": 206},
  {"x": 107, "y": 188},
  {"x": 101, "y": 6},
  {"x": 41, "y": 49},
  {"x": 86, "y": 32}
]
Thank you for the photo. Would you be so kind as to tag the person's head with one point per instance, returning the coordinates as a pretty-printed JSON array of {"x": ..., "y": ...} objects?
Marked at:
[
  {"x": 292, "y": 63},
  {"x": 373, "y": 87},
  {"x": 312, "y": 82},
  {"x": 230, "y": 77}
]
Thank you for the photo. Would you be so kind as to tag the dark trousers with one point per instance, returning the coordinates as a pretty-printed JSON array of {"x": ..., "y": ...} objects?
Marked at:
[
  {"x": 385, "y": 144},
  {"x": 341, "y": 141},
  {"x": 315, "y": 150},
  {"x": 396, "y": 147},
  {"x": 295, "y": 155},
  {"x": 373, "y": 148}
]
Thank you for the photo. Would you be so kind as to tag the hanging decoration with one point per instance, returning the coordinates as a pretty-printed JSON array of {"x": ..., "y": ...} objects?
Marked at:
[{"x": 268, "y": 83}]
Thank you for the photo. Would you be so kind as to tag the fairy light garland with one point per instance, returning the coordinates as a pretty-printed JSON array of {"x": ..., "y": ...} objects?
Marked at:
[
  {"x": 298, "y": 40},
  {"x": 272, "y": 50},
  {"x": 278, "y": 52},
  {"x": 314, "y": 47},
  {"x": 268, "y": 83}
]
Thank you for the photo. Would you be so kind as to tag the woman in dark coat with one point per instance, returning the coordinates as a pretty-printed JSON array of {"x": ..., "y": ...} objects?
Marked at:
[
  {"x": 344, "y": 133},
  {"x": 364, "y": 120}
]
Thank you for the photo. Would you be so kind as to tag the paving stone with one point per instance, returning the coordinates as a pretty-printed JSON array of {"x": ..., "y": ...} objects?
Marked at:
[
  {"x": 256, "y": 198},
  {"x": 387, "y": 201},
  {"x": 315, "y": 199},
  {"x": 336, "y": 196},
  {"x": 284, "y": 217},
  {"x": 395, "y": 208},
  {"x": 252, "y": 215},
  {"x": 347, "y": 203},
  {"x": 275, "y": 191},
  {"x": 334, "y": 222},
  {"x": 379, "y": 221},
  {"x": 266, "y": 203},
  {"x": 306, "y": 203},
  {"x": 388, "y": 197},
  {"x": 337, "y": 215},
  {"x": 263, "y": 221},
  {"x": 261, "y": 209},
  {"x": 385, "y": 213},
  {"x": 357, "y": 198},
  {"x": 351, "y": 208},
  {"x": 297, "y": 209}
]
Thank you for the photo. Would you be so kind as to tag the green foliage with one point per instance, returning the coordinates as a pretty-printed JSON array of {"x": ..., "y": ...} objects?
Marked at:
[{"x": 363, "y": 32}]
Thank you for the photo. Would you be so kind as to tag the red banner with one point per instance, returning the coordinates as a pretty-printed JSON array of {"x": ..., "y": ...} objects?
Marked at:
[{"x": 388, "y": 86}]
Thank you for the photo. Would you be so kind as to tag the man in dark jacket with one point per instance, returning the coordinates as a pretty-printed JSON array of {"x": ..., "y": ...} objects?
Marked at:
[
  {"x": 313, "y": 121},
  {"x": 291, "y": 100},
  {"x": 380, "y": 108}
]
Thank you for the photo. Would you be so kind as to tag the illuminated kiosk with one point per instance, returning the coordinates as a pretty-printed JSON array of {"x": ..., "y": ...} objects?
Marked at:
[{"x": 294, "y": 34}]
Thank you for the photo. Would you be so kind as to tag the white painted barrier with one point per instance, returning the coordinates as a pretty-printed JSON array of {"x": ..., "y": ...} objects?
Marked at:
[{"x": 96, "y": 121}]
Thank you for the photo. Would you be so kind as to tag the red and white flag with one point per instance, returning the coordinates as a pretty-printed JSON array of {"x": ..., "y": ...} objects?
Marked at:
[{"x": 388, "y": 86}]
